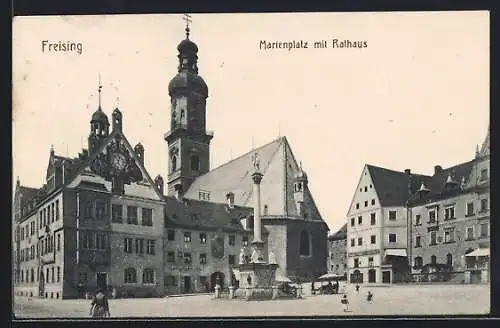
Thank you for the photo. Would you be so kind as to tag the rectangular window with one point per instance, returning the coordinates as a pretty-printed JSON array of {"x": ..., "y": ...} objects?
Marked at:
[
  {"x": 139, "y": 246},
  {"x": 366, "y": 203},
  {"x": 57, "y": 210},
  {"x": 433, "y": 240},
  {"x": 100, "y": 209},
  {"x": 484, "y": 204},
  {"x": 370, "y": 261},
  {"x": 356, "y": 263},
  {"x": 357, "y": 206},
  {"x": 187, "y": 258},
  {"x": 418, "y": 242},
  {"x": 392, "y": 237},
  {"x": 449, "y": 213},
  {"x": 101, "y": 240},
  {"x": 470, "y": 209},
  {"x": 232, "y": 240},
  {"x": 373, "y": 201},
  {"x": 58, "y": 274},
  {"x": 448, "y": 236},
  {"x": 171, "y": 257},
  {"x": 203, "y": 238},
  {"x": 373, "y": 239},
  {"x": 432, "y": 216},
  {"x": 360, "y": 241},
  {"x": 58, "y": 242},
  {"x": 484, "y": 230},
  {"x": 392, "y": 215},
  {"x": 203, "y": 258},
  {"x": 171, "y": 235},
  {"x": 232, "y": 259},
  {"x": 484, "y": 174},
  {"x": 116, "y": 213},
  {"x": 352, "y": 222},
  {"x": 469, "y": 233},
  {"x": 151, "y": 247},
  {"x": 352, "y": 242},
  {"x": 360, "y": 220},
  {"x": 244, "y": 241},
  {"x": 53, "y": 212},
  {"x": 187, "y": 237},
  {"x": 87, "y": 239},
  {"x": 372, "y": 219},
  {"x": 132, "y": 214},
  {"x": 127, "y": 242},
  {"x": 147, "y": 217},
  {"x": 418, "y": 219}
]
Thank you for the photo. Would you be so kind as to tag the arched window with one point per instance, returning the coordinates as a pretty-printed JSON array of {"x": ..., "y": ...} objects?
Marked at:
[
  {"x": 130, "y": 276},
  {"x": 174, "y": 163},
  {"x": 418, "y": 262},
  {"x": 433, "y": 259},
  {"x": 195, "y": 163},
  {"x": 148, "y": 276},
  {"x": 304, "y": 247},
  {"x": 449, "y": 259}
]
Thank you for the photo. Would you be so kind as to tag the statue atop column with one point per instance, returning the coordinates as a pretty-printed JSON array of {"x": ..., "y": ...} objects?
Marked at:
[{"x": 256, "y": 162}]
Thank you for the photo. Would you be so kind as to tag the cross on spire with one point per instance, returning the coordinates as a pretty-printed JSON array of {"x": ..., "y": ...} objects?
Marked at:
[
  {"x": 188, "y": 20},
  {"x": 99, "y": 90}
]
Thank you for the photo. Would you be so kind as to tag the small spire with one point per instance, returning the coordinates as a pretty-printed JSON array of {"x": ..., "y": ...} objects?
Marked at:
[
  {"x": 18, "y": 182},
  {"x": 52, "y": 149},
  {"x": 477, "y": 151},
  {"x": 99, "y": 90}
]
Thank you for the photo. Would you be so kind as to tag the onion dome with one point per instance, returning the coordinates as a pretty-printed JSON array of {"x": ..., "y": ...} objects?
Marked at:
[
  {"x": 187, "y": 77},
  {"x": 99, "y": 117}
]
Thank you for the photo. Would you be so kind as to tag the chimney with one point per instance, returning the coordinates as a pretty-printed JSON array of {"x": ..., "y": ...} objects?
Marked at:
[
  {"x": 437, "y": 169},
  {"x": 230, "y": 199},
  {"x": 407, "y": 171},
  {"x": 178, "y": 191}
]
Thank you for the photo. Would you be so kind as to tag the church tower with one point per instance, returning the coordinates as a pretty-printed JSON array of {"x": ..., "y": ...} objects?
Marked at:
[
  {"x": 99, "y": 126},
  {"x": 188, "y": 140}
]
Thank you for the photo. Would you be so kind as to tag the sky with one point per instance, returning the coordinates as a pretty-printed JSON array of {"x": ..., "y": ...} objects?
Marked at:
[{"x": 415, "y": 97}]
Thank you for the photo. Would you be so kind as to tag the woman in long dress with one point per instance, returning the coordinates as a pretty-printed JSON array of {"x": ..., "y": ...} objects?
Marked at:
[{"x": 99, "y": 306}]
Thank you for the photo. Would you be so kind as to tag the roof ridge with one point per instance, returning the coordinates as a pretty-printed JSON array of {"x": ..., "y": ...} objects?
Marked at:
[
  {"x": 394, "y": 171},
  {"x": 245, "y": 154}
]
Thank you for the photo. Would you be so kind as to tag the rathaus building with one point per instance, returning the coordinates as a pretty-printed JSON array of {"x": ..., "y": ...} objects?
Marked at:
[{"x": 102, "y": 220}]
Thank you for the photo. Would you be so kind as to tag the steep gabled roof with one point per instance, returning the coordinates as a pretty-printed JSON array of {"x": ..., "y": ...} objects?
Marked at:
[
  {"x": 204, "y": 215},
  {"x": 394, "y": 188},
  {"x": 340, "y": 234},
  {"x": 279, "y": 167},
  {"x": 437, "y": 184},
  {"x": 485, "y": 148}
]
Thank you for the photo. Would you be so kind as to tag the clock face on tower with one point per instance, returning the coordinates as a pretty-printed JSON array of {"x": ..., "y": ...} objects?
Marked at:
[{"x": 118, "y": 161}]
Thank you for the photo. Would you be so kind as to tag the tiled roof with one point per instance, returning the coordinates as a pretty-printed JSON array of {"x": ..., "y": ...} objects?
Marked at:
[
  {"x": 340, "y": 234},
  {"x": 204, "y": 215},
  {"x": 28, "y": 192},
  {"x": 279, "y": 167},
  {"x": 393, "y": 187},
  {"x": 437, "y": 184}
]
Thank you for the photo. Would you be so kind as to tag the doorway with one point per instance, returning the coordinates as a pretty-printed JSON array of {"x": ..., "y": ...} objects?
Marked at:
[
  {"x": 386, "y": 277},
  {"x": 187, "y": 284},
  {"x": 102, "y": 280},
  {"x": 372, "y": 275},
  {"x": 217, "y": 278}
]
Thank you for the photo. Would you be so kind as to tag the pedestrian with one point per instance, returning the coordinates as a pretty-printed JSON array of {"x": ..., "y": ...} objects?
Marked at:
[
  {"x": 369, "y": 297},
  {"x": 345, "y": 302},
  {"x": 357, "y": 288},
  {"x": 99, "y": 308}
]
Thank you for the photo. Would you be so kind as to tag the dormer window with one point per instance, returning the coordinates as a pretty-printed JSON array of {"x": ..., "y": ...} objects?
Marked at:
[{"x": 484, "y": 175}]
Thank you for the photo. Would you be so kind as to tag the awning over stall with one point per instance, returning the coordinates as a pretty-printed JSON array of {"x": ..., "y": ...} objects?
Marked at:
[
  {"x": 395, "y": 252},
  {"x": 479, "y": 252}
]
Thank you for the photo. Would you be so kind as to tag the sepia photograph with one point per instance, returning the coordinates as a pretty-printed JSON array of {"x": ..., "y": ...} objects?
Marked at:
[{"x": 251, "y": 165}]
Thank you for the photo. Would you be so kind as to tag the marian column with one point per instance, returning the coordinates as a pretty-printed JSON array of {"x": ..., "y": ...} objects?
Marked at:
[{"x": 257, "y": 243}]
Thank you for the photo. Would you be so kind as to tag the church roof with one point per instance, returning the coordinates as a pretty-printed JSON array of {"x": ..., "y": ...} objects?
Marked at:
[
  {"x": 394, "y": 187},
  {"x": 202, "y": 215},
  {"x": 279, "y": 167}
]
